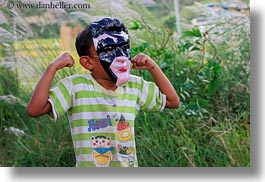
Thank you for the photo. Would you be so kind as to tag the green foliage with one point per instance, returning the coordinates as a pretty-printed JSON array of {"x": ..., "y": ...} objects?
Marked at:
[
  {"x": 45, "y": 143},
  {"x": 170, "y": 23},
  {"x": 47, "y": 31},
  {"x": 8, "y": 80},
  {"x": 211, "y": 126}
]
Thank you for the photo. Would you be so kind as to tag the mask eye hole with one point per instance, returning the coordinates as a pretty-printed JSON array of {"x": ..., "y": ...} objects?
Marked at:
[
  {"x": 125, "y": 47},
  {"x": 109, "y": 50}
]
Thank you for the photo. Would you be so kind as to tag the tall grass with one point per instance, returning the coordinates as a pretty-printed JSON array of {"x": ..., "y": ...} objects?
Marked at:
[
  {"x": 45, "y": 143},
  {"x": 210, "y": 128},
  {"x": 211, "y": 75}
]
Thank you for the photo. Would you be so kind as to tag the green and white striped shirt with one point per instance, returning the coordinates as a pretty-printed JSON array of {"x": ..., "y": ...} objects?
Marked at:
[{"x": 102, "y": 121}]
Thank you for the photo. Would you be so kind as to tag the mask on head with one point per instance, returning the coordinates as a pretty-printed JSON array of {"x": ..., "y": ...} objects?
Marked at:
[{"x": 114, "y": 53}]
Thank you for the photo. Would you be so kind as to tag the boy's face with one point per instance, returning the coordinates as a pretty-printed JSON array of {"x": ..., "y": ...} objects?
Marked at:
[{"x": 114, "y": 55}]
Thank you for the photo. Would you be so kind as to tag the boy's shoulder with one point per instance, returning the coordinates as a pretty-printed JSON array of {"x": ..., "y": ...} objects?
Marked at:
[
  {"x": 138, "y": 79},
  {"x": 135, "y": 78},
  {"x": 76, "y": 79},
  {"x": 76, "y": 76}
]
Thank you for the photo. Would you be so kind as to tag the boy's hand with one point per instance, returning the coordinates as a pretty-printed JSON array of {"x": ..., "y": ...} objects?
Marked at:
[
  {"x": 62, "y": 61},
  {"x": 143, "y": 62}
]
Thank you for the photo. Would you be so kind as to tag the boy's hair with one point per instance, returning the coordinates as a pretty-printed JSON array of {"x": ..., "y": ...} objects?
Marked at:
[{"x": 84, "y": 39}]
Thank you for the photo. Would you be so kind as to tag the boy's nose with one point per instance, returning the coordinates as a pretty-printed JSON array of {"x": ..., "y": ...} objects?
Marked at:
[{"x": 121, "y": 59}]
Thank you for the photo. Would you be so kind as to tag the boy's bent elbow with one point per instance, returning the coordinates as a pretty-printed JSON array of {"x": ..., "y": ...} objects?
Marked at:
[
  {"x": 173, "y": 104},
  {"x": 31, "y": 111},
  {"x": 176, "y": 104},
  {"x": 38, "y": 111}
]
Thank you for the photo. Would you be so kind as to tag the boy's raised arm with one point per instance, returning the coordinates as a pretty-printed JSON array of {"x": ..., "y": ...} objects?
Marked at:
[
  {"x": 39, "y": 104},
  {"x": 144, "y": 62}
]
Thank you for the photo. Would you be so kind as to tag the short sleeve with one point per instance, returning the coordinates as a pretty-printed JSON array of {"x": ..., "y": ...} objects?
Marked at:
[
  {"x": 151, "y": 98},
  {"x": 60, "y": 97}
]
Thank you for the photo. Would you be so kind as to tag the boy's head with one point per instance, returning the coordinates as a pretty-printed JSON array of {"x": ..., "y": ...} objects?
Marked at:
[{"x": 109, "y": 38}]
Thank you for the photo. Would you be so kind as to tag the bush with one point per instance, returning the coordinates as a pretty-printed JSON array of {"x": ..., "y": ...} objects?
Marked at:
[{"x": 211, "y": 126}]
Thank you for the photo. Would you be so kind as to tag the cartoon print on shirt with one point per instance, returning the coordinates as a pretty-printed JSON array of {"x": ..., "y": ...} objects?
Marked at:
[
  {"x": 102, "y": 150},
  {"x": 115, "y": 117},
  {"x": 123, "y": 129},
  {"x": 126, "y": 155},
  {"x": 94, "y": 124}
]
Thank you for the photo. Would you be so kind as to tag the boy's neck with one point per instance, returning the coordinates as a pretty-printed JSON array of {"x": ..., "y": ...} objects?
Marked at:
[{"x": 106, "y": 83}]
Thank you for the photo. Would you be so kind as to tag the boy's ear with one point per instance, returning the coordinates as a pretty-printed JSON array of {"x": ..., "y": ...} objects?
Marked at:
[{"x": 86, "y": 62}]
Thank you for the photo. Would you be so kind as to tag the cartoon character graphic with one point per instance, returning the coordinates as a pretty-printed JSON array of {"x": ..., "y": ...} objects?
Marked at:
[
  {"x": 126, "y": 155},
  {"x": 102, "y": 150},
  {"x": 123, "y": 130}
]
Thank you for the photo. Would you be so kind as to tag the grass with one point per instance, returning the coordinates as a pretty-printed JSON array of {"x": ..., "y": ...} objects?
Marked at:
[
  {"x": 171, "y": 140},
  {"x": 45, "y": 143}
]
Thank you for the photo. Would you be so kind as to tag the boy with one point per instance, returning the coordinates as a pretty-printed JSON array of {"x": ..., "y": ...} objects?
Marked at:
[{"x": 102, "y": 105}]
